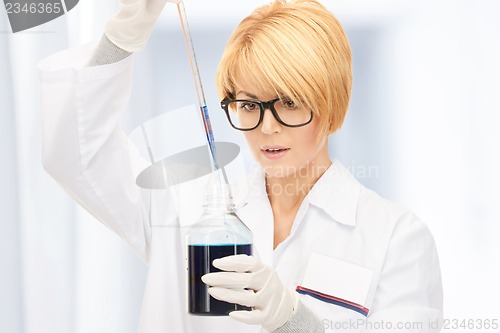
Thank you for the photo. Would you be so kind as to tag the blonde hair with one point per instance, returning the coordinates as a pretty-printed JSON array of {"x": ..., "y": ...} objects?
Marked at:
[{"x": 298, "y": 49}]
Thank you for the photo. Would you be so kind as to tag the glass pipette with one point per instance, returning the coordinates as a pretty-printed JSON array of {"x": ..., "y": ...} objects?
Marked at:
[{"x": 199, "y": 88}]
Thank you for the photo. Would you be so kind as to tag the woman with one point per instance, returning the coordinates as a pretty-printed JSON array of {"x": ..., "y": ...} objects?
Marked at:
[{"x": 331, "y": 255}]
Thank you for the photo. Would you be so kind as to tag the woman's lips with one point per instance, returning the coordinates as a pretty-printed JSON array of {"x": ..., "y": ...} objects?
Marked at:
[{"x": 274, "y": 152}]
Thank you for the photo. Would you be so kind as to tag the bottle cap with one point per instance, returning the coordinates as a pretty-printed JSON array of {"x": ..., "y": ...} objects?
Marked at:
[{"x": 218, "y": 194}]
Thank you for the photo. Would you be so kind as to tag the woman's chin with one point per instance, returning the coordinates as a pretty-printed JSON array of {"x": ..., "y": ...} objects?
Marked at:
[{"x": 276, "y": 170}]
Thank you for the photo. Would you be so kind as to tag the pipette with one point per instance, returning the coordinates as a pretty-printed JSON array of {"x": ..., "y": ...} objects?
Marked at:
[{"x": 199, "y": 87}]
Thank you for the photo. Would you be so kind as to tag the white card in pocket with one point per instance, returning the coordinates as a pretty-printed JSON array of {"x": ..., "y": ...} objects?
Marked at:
[{"x": 337, "y": 281}]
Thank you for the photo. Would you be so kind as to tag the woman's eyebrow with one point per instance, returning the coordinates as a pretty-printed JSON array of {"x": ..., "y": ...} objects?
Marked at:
[{"x": 246, "y": 93}]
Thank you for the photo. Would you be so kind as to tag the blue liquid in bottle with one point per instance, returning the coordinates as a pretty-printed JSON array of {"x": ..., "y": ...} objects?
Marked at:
[
  {"x": 217, "y": 234},
  {"x": 200, "y": 258}
]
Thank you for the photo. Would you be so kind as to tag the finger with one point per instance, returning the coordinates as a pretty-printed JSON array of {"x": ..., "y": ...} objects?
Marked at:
[
  {"x": 249, "y": 317},
  {"x": 238, "y": 263},
  {"x": 227, "y": 280},
  {"x": 238, "y": 296}
]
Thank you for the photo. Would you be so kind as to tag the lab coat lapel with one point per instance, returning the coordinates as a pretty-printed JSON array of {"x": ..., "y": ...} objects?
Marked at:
[
  {"x": 257, "y": 216},
  {"x": 255, "y": 211}
]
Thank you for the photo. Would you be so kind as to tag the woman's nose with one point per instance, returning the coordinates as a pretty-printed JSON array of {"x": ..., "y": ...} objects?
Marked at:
[{"x": 269, "y": 123}]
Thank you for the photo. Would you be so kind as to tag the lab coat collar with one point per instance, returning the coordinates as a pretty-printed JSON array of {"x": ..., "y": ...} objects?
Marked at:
[{"x": 336, "y": 192}]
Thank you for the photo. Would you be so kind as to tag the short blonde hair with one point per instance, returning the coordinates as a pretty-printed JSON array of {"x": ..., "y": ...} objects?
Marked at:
[{"x": 296, "y": 48}]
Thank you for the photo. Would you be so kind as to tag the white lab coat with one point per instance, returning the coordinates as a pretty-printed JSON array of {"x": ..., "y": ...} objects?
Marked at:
[{"x": 346, "y": 241}]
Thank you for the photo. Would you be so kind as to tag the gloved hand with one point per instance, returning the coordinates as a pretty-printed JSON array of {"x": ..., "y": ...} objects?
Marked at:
[
  {"x": 130, "y": 28},
  {"x": 272, "y": 304}
]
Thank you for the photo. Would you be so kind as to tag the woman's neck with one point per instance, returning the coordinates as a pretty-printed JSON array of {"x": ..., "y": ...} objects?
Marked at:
[
  {"x": 287, "y": 192},
  {"x": 286, "y": 195}
]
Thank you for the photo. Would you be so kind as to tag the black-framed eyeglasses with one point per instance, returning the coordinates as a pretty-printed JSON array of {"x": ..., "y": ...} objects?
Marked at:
[{"x": 246, "y": 115}]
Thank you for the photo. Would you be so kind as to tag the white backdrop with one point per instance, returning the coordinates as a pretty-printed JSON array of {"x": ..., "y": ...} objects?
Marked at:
[{"x": 421, "y": 130}]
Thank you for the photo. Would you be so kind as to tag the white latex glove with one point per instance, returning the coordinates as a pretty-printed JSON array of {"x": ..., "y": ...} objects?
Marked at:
[
  {"x": 272, "y": 304},
  {"x": 131, "y": 26}
]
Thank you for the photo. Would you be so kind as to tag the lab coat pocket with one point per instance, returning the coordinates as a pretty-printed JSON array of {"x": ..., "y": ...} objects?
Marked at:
[{"x": 338, "y": 282}]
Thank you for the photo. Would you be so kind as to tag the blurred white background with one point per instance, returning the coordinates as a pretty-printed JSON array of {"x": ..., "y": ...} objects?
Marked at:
[{"x": 421, "y": 131}]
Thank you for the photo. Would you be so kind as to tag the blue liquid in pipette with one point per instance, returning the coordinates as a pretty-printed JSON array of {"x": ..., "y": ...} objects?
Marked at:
[{"x": 209, "y": 131}]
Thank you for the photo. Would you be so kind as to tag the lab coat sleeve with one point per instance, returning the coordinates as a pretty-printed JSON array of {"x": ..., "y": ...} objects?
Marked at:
[
  {"x": 303, "y": 320},
  {"x": 409, "y": 292},
  {"x": 83, "y": 146}
]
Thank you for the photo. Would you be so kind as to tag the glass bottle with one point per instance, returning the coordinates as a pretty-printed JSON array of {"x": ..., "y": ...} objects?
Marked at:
[{"x": 218, "y": 233}]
